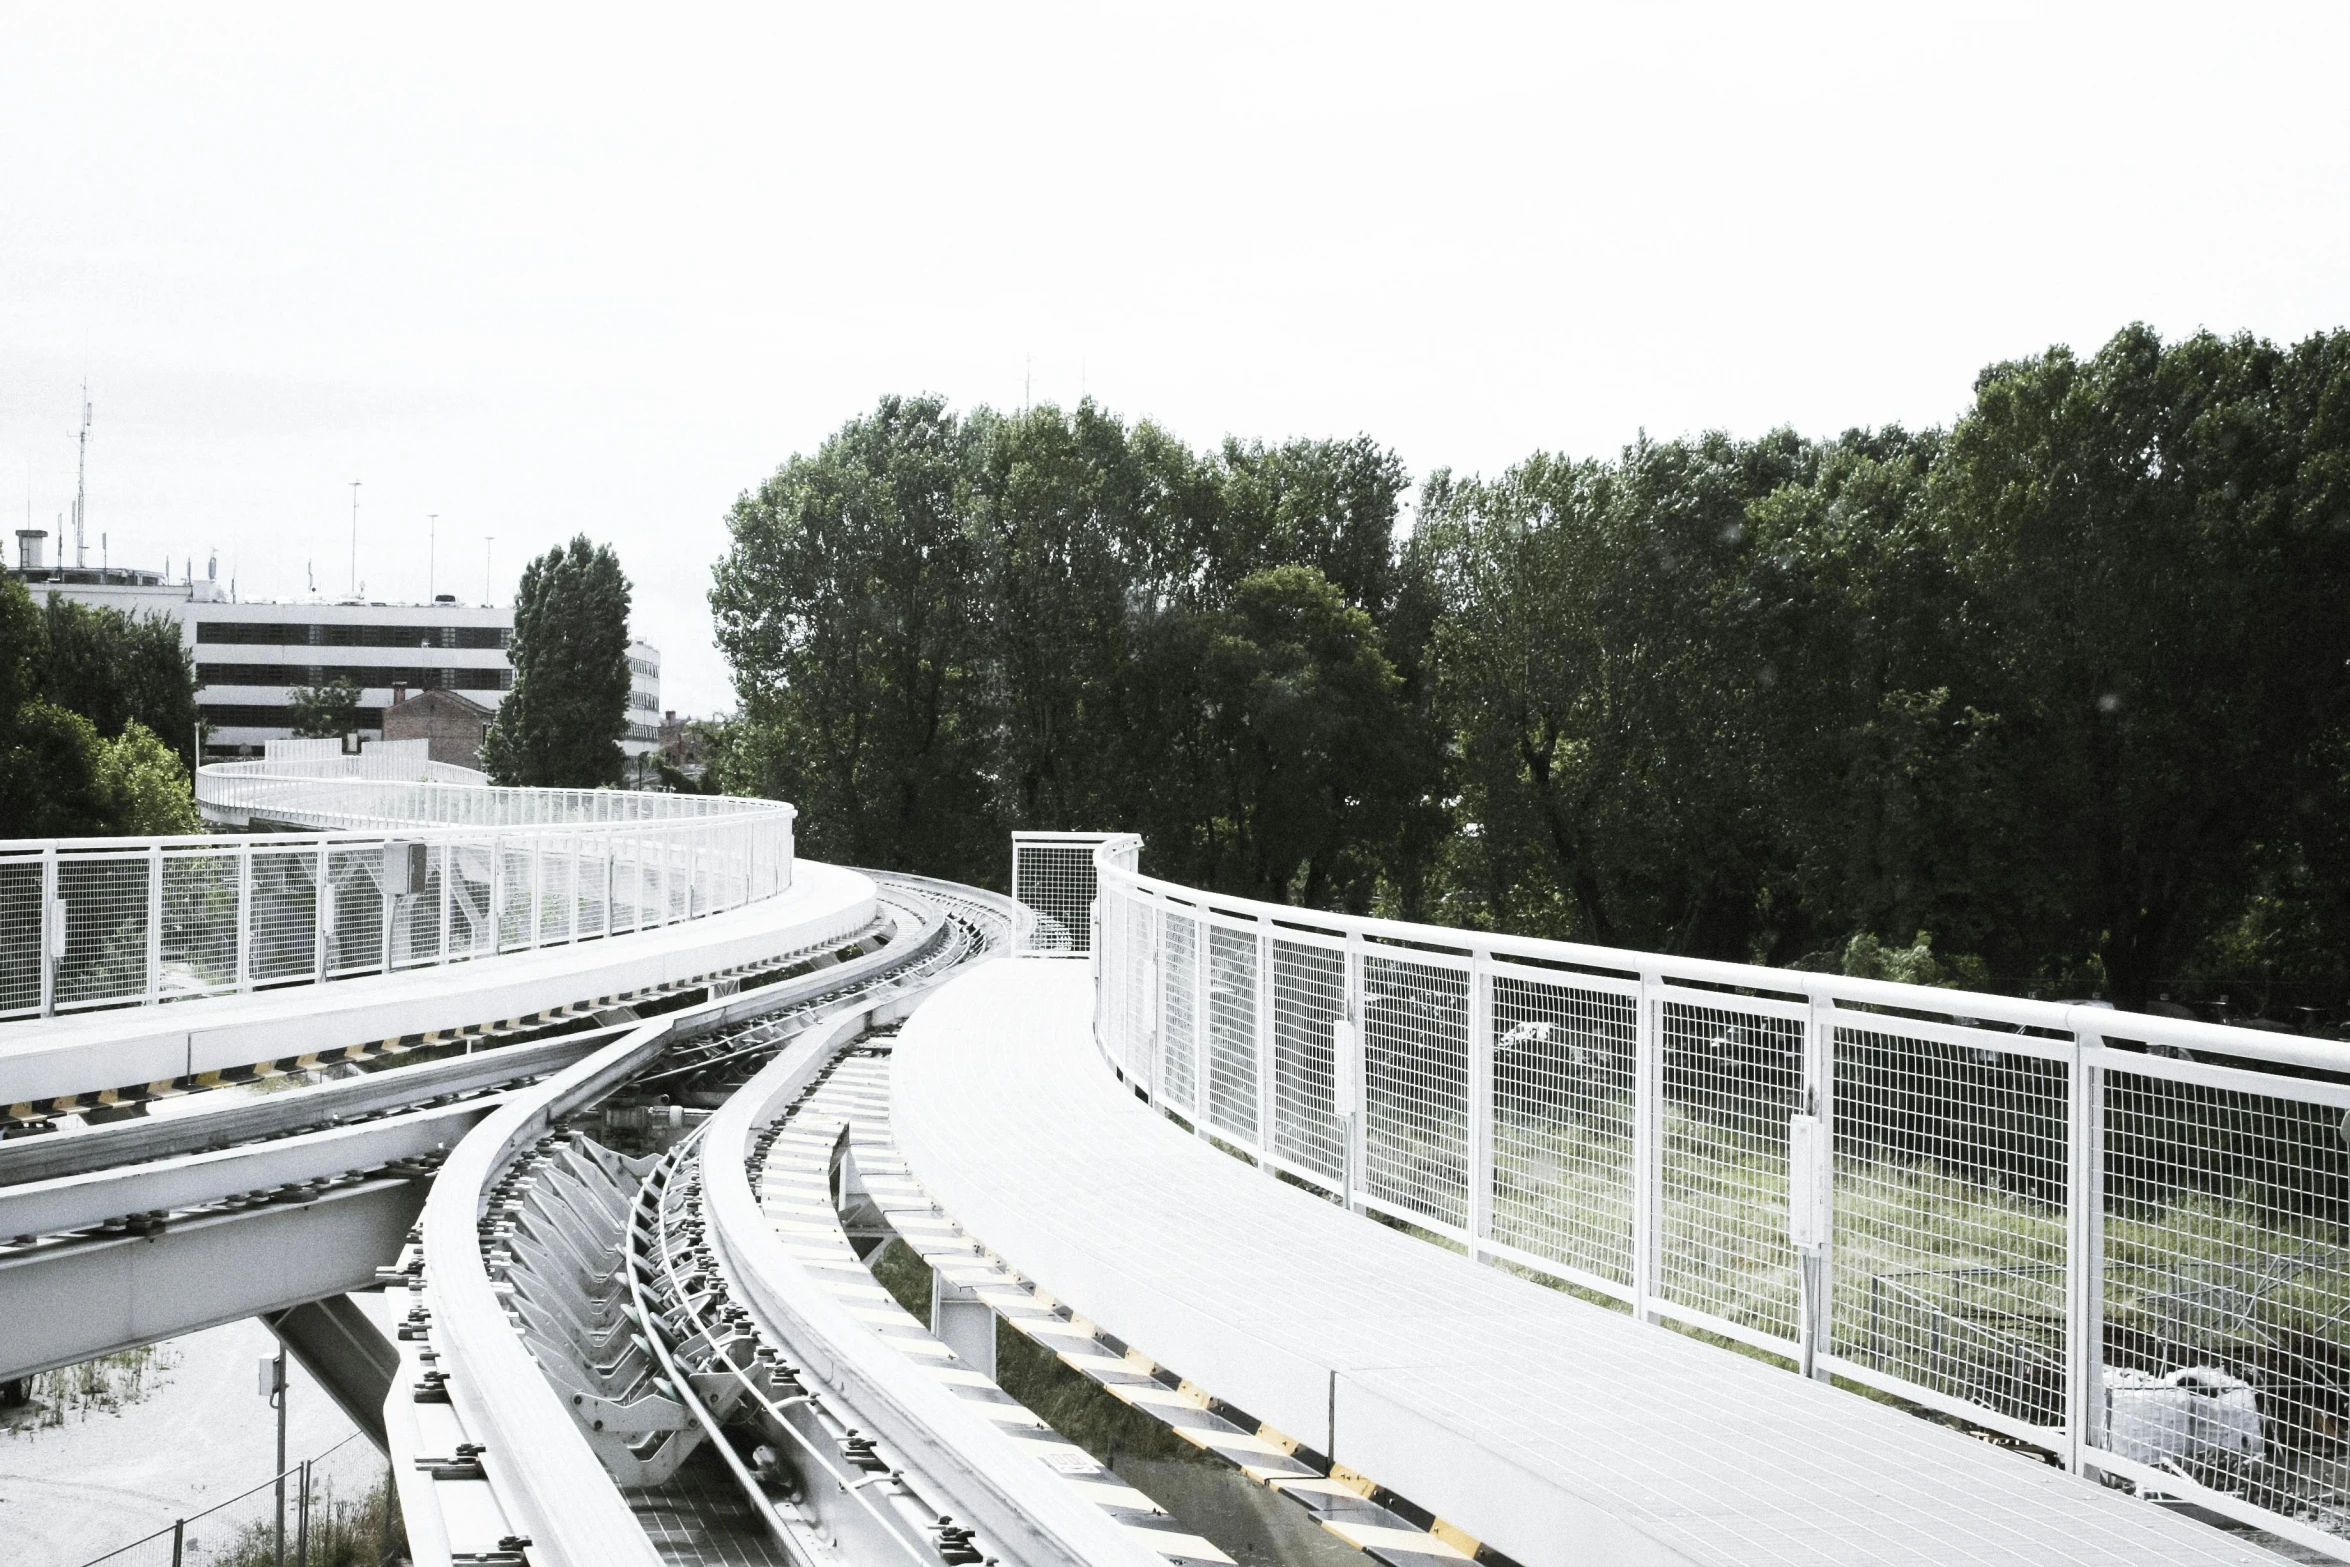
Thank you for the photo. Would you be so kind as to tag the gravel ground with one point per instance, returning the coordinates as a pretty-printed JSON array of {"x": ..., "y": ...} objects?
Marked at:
[{"x": 196, "y": 1432}]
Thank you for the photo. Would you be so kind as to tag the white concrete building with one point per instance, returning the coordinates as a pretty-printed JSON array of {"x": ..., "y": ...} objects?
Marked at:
[{"x": 250, "y": 655}]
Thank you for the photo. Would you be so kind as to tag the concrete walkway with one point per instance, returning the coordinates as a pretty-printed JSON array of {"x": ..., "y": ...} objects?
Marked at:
[{"x": 1551, "y": 1429}]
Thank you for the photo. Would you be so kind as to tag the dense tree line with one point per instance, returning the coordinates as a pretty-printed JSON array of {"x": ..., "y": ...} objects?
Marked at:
[
  {"x": 2056, "y": 699},
  {"x": 97, "y": 720}
]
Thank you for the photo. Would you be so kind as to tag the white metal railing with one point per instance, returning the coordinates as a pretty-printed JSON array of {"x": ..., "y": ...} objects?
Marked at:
[
  {"x": 2124, "y": 1239},
  {"x": 397, "y": 874}
]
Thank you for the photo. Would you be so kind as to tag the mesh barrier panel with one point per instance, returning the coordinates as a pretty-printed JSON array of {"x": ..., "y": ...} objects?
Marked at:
[
  {"x": 1232, "y": 1032},
  {"x": 557, "y": 878},
  {"x": 355, "y": 919},
  {"x": 1179, "y": 1041},
  {"x": 514, "y": 897},
  {"x": 2227, "y": 1289},
  {"x": 471, "y": 929},
  {"x": 1309, "y": 995},
  {"x": 1416, "y": 1087},
  {"x": 416, "y": 926},
  {"x": 282, "y": 936},
  {"x": 20, "y": 934},
  {"x": 1135, "y": 962},
  {"x": 199, "y": 923},
  {"x": 590, "y": 881},
  {"x": 1950, "y": 1219},
  {"x": 1563, "y": 1065},
  {"x": 105, "y": 929},
  {"x": 1731, "y": 1079},
  {"x": 1055, "y": 880}
]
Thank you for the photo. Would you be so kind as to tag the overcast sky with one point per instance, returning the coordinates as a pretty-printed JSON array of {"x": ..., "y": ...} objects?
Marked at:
[{"x": 560, "y": 270}]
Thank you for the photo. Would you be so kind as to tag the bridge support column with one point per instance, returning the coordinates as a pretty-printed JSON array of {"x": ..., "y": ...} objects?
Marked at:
[
  {"x": 340, "y": 1345},
  {"x": 963, "y": 1322}
]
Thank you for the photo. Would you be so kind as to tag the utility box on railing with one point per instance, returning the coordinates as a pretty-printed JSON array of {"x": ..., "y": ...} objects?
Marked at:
[{"x": 407, "y": 868}]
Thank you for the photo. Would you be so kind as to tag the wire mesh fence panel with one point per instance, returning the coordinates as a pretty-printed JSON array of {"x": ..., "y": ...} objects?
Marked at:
[
  {"x": 1137, "y": 962},
  {"x": 558, "y": 880},
  {"x": 472, "y": 930},
  {"x": 1732, "y": 1076},
  {"x": 1416, "y": 1087},
  {"x": 1309, "y": 996},
  {"x": 355, "y": 916},
  {"x": 282, "y": 938},
  {"x": 199, "y": 937},
  {"x": 20, "y": 933},
  {"x": 591, "y": 888},
  {"x": 675, "y": 860},
  {"x": 2227, "y": 1286},
  {"x": 1232, "y": 1032},
  {"x": 1056, "y": 882},
  {"x": 1564, "y": 1059},
  {"x": 1950, "y": 1191},
  {"x": 514, "y": 894},
  {"x": 105, "y": 957},
  {"x": 416, "y": 918},
  {"x": 1178, "y": 1035}
]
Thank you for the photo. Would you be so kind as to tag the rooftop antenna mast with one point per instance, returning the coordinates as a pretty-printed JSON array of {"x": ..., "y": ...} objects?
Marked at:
[
  {"x": 354, "y": 538},
  {"x": 81, "y": 476}
]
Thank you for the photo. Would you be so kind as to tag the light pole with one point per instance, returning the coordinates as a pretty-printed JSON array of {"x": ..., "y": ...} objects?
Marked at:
[
  {"x": 432, "y": 534},
  {"x": 354, "y": 538},
  {"x": 486, "y": 542}
]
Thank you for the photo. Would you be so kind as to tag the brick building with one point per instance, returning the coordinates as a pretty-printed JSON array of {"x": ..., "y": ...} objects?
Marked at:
[{"x": 452, "y": 725}]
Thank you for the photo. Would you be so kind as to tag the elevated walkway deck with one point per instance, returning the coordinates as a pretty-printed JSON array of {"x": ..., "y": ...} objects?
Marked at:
[{"x": 1554, "y": 1430}]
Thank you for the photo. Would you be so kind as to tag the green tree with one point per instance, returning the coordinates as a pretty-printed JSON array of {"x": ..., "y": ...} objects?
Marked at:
[
  {"x": 325, "y": 712},
  {"x": 116, "y": 669},
  {"x": 144, "y": 789},
  {"x": 61, "y": 775},
  {"x": 561, "y": 725},
  {"x": 2155, "y": 541},
  {"x": 848, "y": 606},
  {"x": 1316, "y": 758}
]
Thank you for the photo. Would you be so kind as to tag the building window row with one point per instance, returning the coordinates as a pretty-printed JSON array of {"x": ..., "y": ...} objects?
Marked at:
[
  {"x": 227, "y": 715},
  {"x": 287, "y": 633},
  {"x": 358, "y": 674}
]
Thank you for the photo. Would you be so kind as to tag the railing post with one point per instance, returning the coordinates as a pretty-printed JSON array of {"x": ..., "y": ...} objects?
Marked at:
[
  {"x": 1203, "y": 1054},
  {"x": 302, "y": 1520},
  {"x": 154, "y": 923},
  {"x": 179, "y": 1533},
  {"x": 1647, "y": 1154},
  {"x": 1816, "y": 1265},
  {"x": 538, "y": 886},
  {"x": 245, "y": 915},
  {"x": 1358, "y": 1183},
  {"x": 52, "y": 930},
  {"x": 322, "y": 915},
  {"x": 1265, "y": 1043},
  {"x": 1480, "y": 1127},
  {"x": 448, "y": 875},
  {"x": 2084, "y": 1250}
]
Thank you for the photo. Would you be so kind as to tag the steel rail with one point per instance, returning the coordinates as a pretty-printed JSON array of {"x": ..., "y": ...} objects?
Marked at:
[
  {"x": 540, "y": 1469},
  {"x": 1018, "y": 1506},
  {"x": 387, "y": 1089}
]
